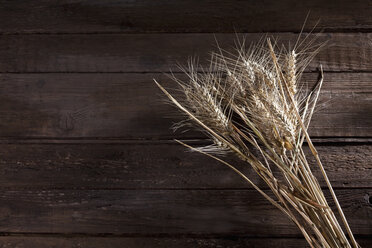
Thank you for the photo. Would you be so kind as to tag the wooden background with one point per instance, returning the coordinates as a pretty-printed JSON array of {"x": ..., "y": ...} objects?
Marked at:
[{"x": 86, "y": 154}]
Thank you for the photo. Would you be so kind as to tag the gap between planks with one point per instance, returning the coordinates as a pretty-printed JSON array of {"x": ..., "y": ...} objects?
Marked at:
[{"x": 164, "y": 140}]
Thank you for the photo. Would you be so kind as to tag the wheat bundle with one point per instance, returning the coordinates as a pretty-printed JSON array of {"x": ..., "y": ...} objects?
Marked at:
[{"x": 250, "y": 104}]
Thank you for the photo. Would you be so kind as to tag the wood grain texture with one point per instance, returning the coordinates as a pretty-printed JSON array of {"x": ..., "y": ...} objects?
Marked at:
[
  {"x": 153, "y": 212},
  {"x": 85, "y": 156},
  {"x": 155, "y": 165},
  {"x": 130, "y": 106},
  {"x": 89, "y": 16},
  {"x": 143, "y": 242},
  {"x": 159, "y": 52}
]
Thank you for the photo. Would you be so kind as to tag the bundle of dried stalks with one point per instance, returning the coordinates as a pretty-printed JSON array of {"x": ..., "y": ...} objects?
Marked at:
[{"x": 250, "y": 105}]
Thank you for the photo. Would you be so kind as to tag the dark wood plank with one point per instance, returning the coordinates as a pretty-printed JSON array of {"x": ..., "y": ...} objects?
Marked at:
[
  {"x": 130, "y": 106},
  {"x": 180, "y": 16},
  {"x": 154, "y": 165},
  {"x": 113, "y": 242},
  {"x": 153, "y": 212},
  {"x": 158, "y": 52}
]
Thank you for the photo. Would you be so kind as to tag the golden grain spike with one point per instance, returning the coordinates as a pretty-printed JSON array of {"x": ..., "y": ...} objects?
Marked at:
[{"x": 290, "y": 71}]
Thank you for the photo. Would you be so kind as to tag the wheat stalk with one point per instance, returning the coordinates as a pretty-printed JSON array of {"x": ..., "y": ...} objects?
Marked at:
[{"x": 250, "y": 105}]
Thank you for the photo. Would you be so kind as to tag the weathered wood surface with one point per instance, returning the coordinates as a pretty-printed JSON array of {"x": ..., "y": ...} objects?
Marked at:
[
  {"x": 85, "y": 159},
  {"x": 89, "y": 16},
  {"x": 152, "y": 212},
  {"x": 130, "y": 106},
  {"x": 146, "y": 242},
  {"x": 159, "y": 52},
  {"x": 155, "y": 165}
]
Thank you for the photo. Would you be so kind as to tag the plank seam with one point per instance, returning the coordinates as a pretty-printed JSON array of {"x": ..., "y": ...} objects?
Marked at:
[
  {"x": 323, "y": 30},
  {"x": 162, "y": 72},
  {"x": 166, "y": 140},
  {"x": 159, "y": 235}
]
